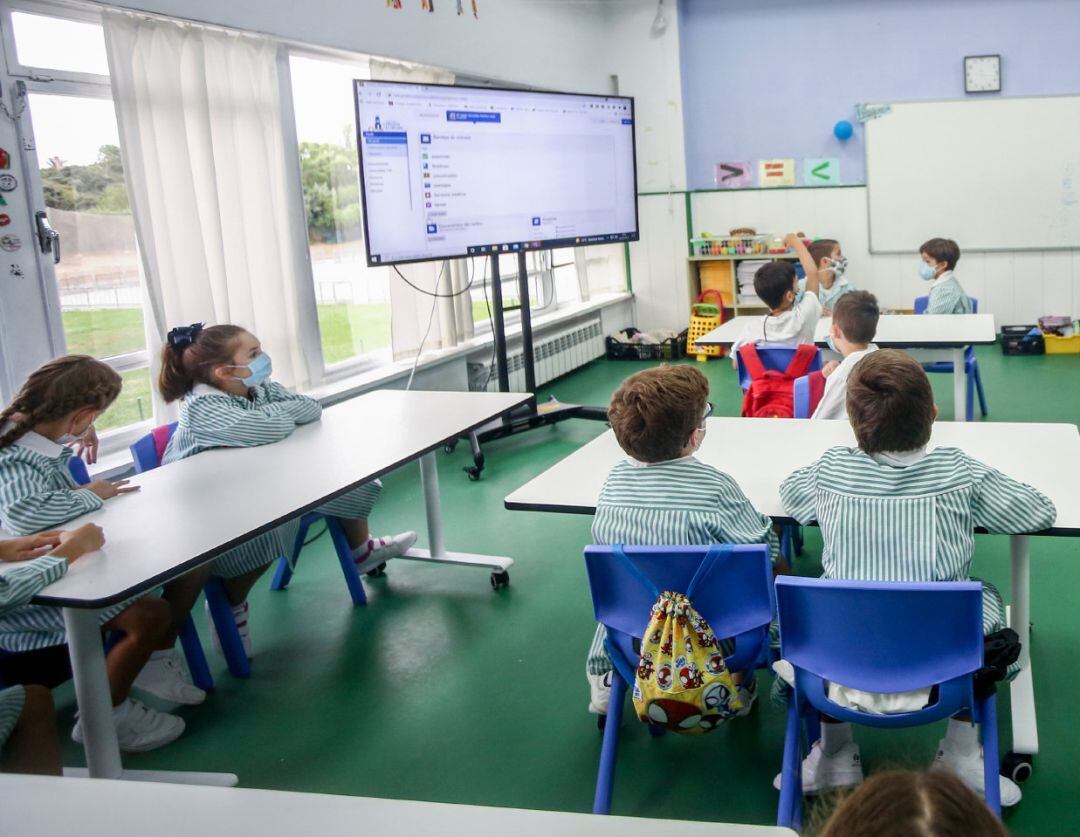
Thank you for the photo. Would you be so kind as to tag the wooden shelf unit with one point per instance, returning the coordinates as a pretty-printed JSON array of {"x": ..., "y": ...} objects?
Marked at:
[{"x": 719, "y": 272}]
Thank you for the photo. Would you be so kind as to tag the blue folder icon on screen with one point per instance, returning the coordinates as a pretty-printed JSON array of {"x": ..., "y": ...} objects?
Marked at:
[
  {"x": 425, "y": 138},
  {"x": 536, "y": 221},
  {"x": 432, "y": 228}
]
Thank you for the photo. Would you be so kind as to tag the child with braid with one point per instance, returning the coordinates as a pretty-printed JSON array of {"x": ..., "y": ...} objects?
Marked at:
[
  {"x": 55, "y": 407},
  {"x": 222, "y": 376}
]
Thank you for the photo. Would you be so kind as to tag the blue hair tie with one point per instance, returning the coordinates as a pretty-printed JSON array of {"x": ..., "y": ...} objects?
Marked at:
[{"x": 183, "y": 336}]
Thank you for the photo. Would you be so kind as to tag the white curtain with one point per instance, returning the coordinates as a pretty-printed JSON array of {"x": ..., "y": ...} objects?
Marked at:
[
  {"x": 411, "y": 309},
  {"x": 214, "y": 200}
]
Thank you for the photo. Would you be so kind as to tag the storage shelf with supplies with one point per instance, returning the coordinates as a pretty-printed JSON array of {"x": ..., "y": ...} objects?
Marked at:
[{"x": 720, "y": 273}]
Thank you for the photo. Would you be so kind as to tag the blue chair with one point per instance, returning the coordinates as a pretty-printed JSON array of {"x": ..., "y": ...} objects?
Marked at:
[
  {"x": 880, "y": 637},
  {"x": 731, "y": 587},
  {"x": 189, "y": 636},
  {"x": 801, "y": 392},
  {"x": 971, "y": 365},
  {"x": 773, "y": 356},
  {"x": 147, "y": 452}
]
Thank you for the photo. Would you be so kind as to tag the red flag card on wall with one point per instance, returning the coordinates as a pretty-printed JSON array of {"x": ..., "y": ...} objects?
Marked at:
[
  {"x": 5, "y": 159},
  {"x": 776, "y": 173}
]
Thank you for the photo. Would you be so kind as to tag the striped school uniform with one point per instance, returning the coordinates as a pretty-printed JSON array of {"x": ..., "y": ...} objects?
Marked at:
[
  {"x": 682, "y": 501},
  {"x": 20, "y": 582},
  {"x": 911, "y": 516},
  {"x": 211, "y": 418},
  {"x": 38, "y": 493},
  {"x": 947, "y": 297}
]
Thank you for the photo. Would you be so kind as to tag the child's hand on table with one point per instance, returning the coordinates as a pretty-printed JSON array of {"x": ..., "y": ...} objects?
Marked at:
[
  {"x": 28, "y": 548},
  {"x": 106, "y": 490},
  {"x": 76, "y": 543}
]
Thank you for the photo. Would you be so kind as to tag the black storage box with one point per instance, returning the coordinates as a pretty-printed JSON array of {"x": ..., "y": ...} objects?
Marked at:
[
  {"x": 1022, "y": 340},
  {"x": 671, "y": 349}
]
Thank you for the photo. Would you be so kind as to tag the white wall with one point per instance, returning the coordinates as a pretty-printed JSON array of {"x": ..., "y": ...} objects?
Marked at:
[{"x": 557, "y": 45}]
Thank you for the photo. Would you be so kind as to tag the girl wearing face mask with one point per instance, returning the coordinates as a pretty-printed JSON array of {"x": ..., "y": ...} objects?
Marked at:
[
  {"x": 222, "y": 375},
  {"x": 54, "y": 408}
]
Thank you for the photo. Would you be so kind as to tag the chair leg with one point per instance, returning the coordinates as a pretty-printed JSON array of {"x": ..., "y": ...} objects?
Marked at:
[
  {"x": 789, "y": 810},
  {"x": 969, "y": 399},
  {"x": 785, "y": 544},
  {"x": 195, "y": 656},
  {"x": 283, "y": 573},
  {"x": 988, "y": 733},
  {"x": 225, "y": 624},
  {"x": 605, "y": 777},
  {"x": 798, "y": 539},
  {"x": 348, "y": 565},
  {"x": 813, "y": 729},
  {"x": 979, "y": 388}
]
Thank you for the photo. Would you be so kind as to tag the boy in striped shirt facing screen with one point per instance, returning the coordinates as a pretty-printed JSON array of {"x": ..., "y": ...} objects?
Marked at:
[
  {"x": 922, "y": 507},
  {"x": 662, "y": 494}
]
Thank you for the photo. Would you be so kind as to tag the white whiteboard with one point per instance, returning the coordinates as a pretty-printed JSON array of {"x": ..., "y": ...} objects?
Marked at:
[{"x": 993, "y": 174}]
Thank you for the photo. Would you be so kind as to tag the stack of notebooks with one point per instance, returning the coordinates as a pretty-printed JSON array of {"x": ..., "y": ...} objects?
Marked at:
[{"x": 744, "y": 278}]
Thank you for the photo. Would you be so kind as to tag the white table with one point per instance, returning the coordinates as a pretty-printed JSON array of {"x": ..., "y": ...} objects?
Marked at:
[
  {"x": 191, "y": 511},
  {"x": 759, "y": 453},
  {"x": 928, "y": 338},
  {"x": 36, "y": 806}
]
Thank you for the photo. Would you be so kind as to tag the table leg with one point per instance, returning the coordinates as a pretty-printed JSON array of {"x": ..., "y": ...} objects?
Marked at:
[
  {"x": 959, "y": 385},
  {"x": 92, "y": 692},
  {"x": 96, "y": 711},
  {"x": 1022, "y": 690},
  {"x": 437, "y": 552}
]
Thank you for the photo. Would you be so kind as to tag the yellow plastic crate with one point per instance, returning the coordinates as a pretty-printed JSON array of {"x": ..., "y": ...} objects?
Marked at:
[{"x": 1056, "y": 345}]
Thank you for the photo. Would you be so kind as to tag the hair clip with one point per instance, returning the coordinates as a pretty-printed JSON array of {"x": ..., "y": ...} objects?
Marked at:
[{"x": 183, "y": 336}]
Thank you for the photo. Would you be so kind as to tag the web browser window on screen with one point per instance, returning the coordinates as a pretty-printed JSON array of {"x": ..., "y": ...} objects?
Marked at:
[{"x": 454, "y": 171}]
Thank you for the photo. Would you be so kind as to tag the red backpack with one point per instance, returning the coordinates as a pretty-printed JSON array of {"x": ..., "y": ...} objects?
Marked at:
[{"x": 770, "y": 394}]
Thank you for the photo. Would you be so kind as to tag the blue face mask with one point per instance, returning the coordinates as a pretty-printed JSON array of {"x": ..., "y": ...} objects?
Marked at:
[
  {"x": 831, "y": 344},
  {"x": 800, "y": 292},
  {"x": 259, "y": 370},
  {"x": 926, "y": 272}
]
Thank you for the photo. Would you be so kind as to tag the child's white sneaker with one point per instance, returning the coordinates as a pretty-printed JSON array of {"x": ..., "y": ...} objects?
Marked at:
[
  {"x": 164, "y": 677},
  {"x": 240, "y": 615},
  {"x": 747, "y": 691},
  {"x": 599, "y": 692},
  {"x": 139, "y": 728},
  {"x": 823, "y": 773},
  {"x": 969, "y": 767},
  {"x": 380, "y": 550}
]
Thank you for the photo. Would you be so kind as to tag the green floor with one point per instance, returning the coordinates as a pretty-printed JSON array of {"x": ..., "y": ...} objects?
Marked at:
[{"x": 441, "y": 689}]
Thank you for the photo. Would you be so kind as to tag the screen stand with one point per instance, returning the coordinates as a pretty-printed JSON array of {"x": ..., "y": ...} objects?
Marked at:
[{"x": 529, "y": 415}]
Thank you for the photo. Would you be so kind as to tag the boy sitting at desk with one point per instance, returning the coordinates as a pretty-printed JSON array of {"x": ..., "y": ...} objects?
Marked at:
[
  {"x": 854, "y": 324},
  {"x": 939, "y": 258},
  {"x": 922, "y": 507},
  {"x": 663, "y": 495},
  {"x": 793, "y": 315}
]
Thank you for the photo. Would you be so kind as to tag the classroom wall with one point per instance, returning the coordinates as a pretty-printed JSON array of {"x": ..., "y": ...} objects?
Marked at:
[{"x": 770, "y": 78}]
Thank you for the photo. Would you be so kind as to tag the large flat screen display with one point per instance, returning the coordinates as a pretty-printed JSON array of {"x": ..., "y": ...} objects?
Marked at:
[{"x": 449, "y": 171}]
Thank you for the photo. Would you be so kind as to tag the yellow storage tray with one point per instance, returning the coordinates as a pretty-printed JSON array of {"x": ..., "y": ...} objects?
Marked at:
[{"x": 1056, "y": 345}]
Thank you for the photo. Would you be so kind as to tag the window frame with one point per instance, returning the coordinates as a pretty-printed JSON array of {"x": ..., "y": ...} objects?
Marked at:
[{"x": 47, "y": 81}]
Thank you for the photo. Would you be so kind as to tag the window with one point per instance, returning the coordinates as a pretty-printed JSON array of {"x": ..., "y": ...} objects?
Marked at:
[
  {"x": 353, "y": 299},
  {"x": 541, "y": 295},
  {"x": 81, "y": 180}
]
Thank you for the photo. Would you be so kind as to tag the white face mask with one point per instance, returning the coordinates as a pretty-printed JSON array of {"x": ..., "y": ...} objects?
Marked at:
[{"x": 838, "y": 267}]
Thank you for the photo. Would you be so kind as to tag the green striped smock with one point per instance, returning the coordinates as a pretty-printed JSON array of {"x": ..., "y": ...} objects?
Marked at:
[
  {"x": 947, "y": 297},
  {"x": 38, "y": 493},
  {"x": 683, "y": 501},
  {"x": 911, "y": 516},
  {"x": 20, "y": 582},
  {"x": 212, "y": 418}
]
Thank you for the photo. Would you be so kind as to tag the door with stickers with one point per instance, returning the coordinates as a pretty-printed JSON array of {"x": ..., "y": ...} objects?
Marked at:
[{"x": 82, "y": 230}]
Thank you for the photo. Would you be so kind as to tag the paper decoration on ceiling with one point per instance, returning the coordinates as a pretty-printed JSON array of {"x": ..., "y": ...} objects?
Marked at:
[
  {"x": 5, "y": 159},
  {"x": 864, "y": 113},
  {"x": 475, "y": 11},
  {"x": 10, "y": 243},
  {"x": 5, "y": 219},
  {"x": 393, "y": 4},
  {"x": 460, "y": 7},
  {"x": 427, "y": 5},
  {"x": 8, "y": 182}
]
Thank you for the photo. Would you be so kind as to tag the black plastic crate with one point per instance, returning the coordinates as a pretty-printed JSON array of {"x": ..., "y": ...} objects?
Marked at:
[
  {"x": 670, "y": 349},
  {"x": 1022, "y": 340}
]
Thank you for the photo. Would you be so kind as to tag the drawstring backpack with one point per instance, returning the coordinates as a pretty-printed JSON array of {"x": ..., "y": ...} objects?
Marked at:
[
  {"x": 770, "y": 394},
  {"x": 682, "y": 682}
]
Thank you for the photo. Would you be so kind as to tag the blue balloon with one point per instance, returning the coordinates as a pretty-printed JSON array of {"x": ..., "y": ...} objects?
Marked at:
[{"x": 843, "y": 130}]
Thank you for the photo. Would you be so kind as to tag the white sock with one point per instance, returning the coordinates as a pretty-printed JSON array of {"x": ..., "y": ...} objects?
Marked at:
[
  {"x": 834, "y": 737},
  {"x": 963, "y": 737}
]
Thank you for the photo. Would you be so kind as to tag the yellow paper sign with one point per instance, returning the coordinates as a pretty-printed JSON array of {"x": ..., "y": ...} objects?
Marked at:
[{"x": 776, "y": 173}]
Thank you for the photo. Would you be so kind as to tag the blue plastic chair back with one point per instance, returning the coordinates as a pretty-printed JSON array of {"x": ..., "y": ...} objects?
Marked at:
[
  {"x": 78, "y": 470},
  {"x": 881, "y": 636},
  {"x": 735, "y": 596},
  {"x": 922, "y": 301},
  {"x": 144, "y": 451},
  {"x": 801, "y": 389},
  {"x": 773, "y": 356}
]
